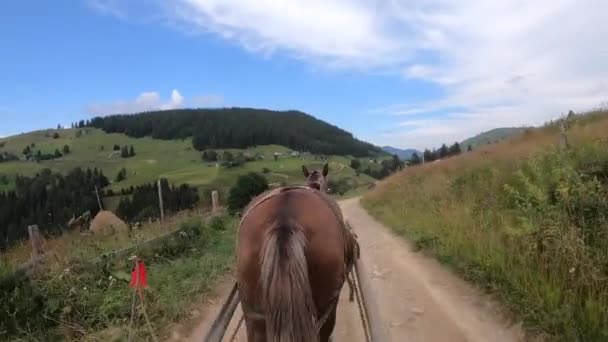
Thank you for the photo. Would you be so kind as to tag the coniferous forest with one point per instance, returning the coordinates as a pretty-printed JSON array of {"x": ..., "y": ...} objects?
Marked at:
[
  {"x": 143, "y": 203},
  {"x": 48, "y": 200},
  {"x": 238, "y": 128}
]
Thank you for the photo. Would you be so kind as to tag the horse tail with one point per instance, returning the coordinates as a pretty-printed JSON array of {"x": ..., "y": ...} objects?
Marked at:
[{"x": 289, "y": 304}]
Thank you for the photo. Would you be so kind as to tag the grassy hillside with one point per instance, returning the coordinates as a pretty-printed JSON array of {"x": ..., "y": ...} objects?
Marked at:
[
  {"x": 492, "y": 136},
  {"x": 175, "y": 160},
  {"x": 522, "y": 217}
]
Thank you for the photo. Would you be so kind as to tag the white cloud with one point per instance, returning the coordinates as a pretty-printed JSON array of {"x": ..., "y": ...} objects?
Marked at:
[
  {"x": 336, "y": 33},
  {"x": 146, "y": 101},
  {"x": 108, "y": 7},
  {"x": 507, "y": 63},
  {"x": 500, "y": 62}
]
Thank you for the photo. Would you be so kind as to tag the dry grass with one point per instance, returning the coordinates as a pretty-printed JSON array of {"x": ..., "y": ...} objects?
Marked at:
[
  {"x": 521, "y": 217},
  {"x": 74, "y": 298},
  {"x": 74, "y": 245}
]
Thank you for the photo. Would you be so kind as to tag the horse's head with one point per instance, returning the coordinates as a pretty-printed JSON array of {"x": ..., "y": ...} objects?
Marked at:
[{"x": 316, "y": 179}]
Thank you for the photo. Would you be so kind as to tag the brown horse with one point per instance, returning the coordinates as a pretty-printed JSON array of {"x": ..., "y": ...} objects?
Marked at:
[
  {"x": 317, "y": 179},
  {"x": 293, "y": 253}
]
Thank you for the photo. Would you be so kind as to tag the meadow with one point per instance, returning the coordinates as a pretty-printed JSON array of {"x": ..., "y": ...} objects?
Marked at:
[
  {"x": 175, "y": 160},
  {"x": 526, "y": 218}
]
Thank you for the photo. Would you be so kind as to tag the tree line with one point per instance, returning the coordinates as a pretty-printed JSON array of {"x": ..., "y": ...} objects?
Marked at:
[
  {"x": 38, "y": 155},
  {"x": 125, "y": 151},
  {"x": 7, "y": 156},
  {"x": 436, "y": 154},
  {"x": 143, "y": 202},
  {"x": 48, "y": 200},
  {"x": 238, "y": 128}
]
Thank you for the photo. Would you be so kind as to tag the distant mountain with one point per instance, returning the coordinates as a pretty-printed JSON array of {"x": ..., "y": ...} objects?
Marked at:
[
  {"x": 402, "y": 154},
  {"x": 492, "y": 136}
]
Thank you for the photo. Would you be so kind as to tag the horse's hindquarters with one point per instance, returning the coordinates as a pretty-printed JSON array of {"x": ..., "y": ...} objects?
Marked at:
[{"x": 281, "y": 221}]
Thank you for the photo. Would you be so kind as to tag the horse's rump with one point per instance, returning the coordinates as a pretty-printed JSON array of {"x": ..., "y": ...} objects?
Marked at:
[{"x": 280, "y": 237}]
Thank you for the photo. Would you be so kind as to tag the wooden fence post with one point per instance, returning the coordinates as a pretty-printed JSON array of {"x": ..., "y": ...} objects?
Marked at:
[
  {"x": 563, "y": 138},
  {"x": 215, "y": 201},
  {"x": 36, "y": 241},
  {"x": 160, "y": 203},
  {"x": 98, "y": 199}
]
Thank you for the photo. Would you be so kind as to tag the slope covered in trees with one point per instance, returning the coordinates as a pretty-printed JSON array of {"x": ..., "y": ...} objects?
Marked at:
[
  {"x": 48, "y": 200},
  {"x": 238, "y": 128},
  {"x": 144, "y": 202}
]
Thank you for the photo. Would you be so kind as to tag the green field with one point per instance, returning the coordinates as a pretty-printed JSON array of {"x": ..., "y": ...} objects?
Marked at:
[{"x": 175, "y": 160}]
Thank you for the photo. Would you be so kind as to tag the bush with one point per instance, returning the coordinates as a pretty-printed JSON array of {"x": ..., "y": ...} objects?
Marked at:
[
  {"x": 265, "y": 170},
  {"x": 122, "y": 175},
  {"x": 246, "y": 188},
  {"x": 210, "y": 156},
  {"x": 355, "y": 164},
  {"x": 339, "y": 187}
]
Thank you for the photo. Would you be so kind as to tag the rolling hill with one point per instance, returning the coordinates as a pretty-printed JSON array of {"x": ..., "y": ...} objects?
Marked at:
[
  {"x": 238, "y": 128},
  {"x": 492, "y": 136},
  {"x": 168, "y": 144}
]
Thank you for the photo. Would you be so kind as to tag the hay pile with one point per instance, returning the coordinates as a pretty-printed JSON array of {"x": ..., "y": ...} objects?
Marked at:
[{"x": 105, "y": 222}]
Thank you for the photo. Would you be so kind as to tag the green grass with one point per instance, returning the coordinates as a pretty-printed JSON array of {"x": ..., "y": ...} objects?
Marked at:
[
  {"x": 80, "y": 299},
  {"x": 522, "y": 218},
  {"x": 175, "y": 160}
]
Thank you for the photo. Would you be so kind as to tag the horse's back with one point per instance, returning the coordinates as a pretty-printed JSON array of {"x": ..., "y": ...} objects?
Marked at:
[{"x": 325, "y": 242}]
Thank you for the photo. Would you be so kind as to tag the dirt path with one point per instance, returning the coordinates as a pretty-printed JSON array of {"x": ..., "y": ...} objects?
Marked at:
[{"x": 418, "y": 298}]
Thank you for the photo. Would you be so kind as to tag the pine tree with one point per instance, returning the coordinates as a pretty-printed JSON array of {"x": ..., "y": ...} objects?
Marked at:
[
  {"x": 66, "y": 149},
  {"x": 415, "y": 159},
  {"x": 454, "y": 149},
  {"x": 131, "y": 151},
  {"x": 443, "y": 151},
  {"x": 122, "y": 175},
  {"x": 124, "y": 152}
]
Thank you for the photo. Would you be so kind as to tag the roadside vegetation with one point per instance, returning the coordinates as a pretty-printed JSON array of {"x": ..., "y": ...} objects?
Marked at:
[
  {"x": 525, "y": 218},
  {"x": 88, "y": 296}
]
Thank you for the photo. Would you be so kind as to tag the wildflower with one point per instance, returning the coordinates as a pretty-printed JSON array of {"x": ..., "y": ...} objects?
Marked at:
[{"x": 572, "y": 269}]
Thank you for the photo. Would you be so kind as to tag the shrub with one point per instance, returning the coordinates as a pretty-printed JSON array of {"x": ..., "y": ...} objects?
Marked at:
[{"x": 246, "y": 188}]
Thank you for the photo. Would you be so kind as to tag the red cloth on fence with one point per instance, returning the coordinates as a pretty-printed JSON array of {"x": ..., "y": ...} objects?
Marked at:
[{"x": 142, "y": 275}]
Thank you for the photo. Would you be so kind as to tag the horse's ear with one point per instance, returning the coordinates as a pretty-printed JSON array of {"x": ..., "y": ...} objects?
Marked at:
[
  {"x": 305, "y": 171},
  {"x": 325, "y": 169}
]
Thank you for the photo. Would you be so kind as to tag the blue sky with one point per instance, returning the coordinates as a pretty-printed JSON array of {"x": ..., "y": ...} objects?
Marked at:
[{"x": 404, "y": 73}]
